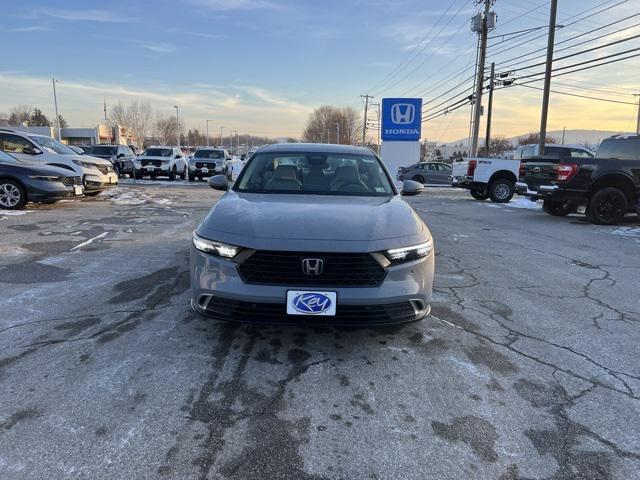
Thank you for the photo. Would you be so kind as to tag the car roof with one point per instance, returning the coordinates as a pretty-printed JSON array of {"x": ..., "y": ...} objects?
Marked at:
[{"x": 315, "y": 148}]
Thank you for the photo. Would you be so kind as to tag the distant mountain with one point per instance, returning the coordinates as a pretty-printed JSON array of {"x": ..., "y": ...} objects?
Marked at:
[{"x": 589, "y": 137}]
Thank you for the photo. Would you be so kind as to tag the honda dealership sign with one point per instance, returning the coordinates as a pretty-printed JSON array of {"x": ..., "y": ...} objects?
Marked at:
[{"x": 401, "y": 119}]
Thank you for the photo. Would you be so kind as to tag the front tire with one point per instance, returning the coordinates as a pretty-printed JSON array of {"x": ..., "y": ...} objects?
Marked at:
[
  {"x": 607, "y": 206},
  {"x": 12, "y": 195},
  {"x": 501, "y": 190},
  {"x": 557, "y": 209},
  {"x": 479, "y": 194},
  {"x": 172, "y": 174},
  {"x": 184, "y": 174}
]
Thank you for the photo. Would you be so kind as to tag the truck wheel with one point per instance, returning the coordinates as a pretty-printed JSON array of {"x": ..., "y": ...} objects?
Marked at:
[
  {"x": 501, "y": 190},
  {"x": 192, "y": 178},
  {"x": 419, "y": 179},
  {"x": 184, "y": 174},
  {"x": 12, "y": 195},
  {"x": 172, "y": 174},
  {"x": 607, "y": 206},
  {"x": 479, "y": 194},
  {"x": 557, "y": 209}
]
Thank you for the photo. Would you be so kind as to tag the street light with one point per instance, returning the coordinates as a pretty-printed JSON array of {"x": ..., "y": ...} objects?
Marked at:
[
  {"x": 221, "y": 139},
  {"x": 177, "y": 124},
  {"x": 55, "y": 103},
  {"x": 208, "y": 131}
]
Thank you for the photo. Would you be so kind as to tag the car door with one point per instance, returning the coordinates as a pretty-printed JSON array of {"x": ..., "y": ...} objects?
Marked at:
[
  {"x": 443, "y": 175},
  {"x": 16, "y": 145}
]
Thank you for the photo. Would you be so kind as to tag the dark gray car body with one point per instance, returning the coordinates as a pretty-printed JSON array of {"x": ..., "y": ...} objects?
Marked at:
[
  {"x": 436, "y": 173},
  {"x": 313, "y": 225}
]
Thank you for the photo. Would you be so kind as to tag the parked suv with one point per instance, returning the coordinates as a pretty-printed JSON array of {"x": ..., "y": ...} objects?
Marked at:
[
  {"x": 97, "y": 174},
  {"x": 161, "y": 161},
  {"x": 121, "y": 156},
  {"x": 555, "y": 151},
  {"x": 426, "y": 172},
  {"x": 207, "y": 162},
  {"x": 605, "y": 187}
]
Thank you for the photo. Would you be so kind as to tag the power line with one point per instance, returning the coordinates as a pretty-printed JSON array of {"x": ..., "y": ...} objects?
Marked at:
[
  {"x": 576, "y": 95},
  {"x": 402, "y": 65}
]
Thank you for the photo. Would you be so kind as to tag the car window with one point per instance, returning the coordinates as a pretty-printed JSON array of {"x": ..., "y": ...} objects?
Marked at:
[
  {"x": 555, "y": 152},
  {"x": 315, "y": 173},
  {"x": 579, "y": 153},
  {"x": 157, "y": 152},
  {"x": 433, "y": 167},
  {"x": 14, "y": 143},
  {"x": 444, "y": 168},
  {"x": 6, "y": 158},
  {"x": 52, "y": 145},
  {"x": 100, "y": 150},
  {"x": 622, "y": 148},
  {"x": 216, "y": 154},
  {"x": 528, "y": 151},
  {"x": 128, "y": 152}
]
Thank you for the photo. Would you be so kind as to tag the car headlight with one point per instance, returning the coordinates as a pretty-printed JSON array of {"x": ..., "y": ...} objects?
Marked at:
[
  {"x": 217, "y": 248},
  {"x": 85, "y": 164},
  {"x": 46, "y": 178},
  {"x": 406, "y": 254}
]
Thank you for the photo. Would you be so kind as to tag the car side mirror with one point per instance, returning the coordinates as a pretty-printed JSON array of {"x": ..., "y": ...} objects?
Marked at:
[
  {"x": 120, "y": 155},
  {"x": 31, "y": 151},
  {"x": 409, "y": 187},
  {"x": 218, "y": 182}
]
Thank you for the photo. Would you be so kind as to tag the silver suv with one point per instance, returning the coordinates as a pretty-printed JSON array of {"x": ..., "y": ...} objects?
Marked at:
[
  {"x": 313, "y": 233},
  {"x": 161, "y": 161},
  {"x": 97, "y": 174}
]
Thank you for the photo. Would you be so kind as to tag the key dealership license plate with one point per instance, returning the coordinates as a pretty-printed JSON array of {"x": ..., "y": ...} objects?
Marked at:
[
  {"x": 150, "y": 169},
  {"x": 78, "y": 190},
  {"x": 205, "y": 170},
  {"x": 311, "y": 303}
]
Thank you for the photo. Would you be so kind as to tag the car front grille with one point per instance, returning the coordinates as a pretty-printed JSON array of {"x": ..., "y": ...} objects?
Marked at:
[
  {"x": 285, "y": 268},
  {"x": 155, "y": 163},
  {"x": 71, "y": 181},
  {"x": 269, "y": 313},
  {"x": 205, "y": 165},
  {"x": 103, "y": 169}
]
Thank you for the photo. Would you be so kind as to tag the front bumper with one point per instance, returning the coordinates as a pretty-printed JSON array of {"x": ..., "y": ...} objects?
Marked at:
[
  {"x": 162, "y": 170},
  {"x": 523, "y": 189},
  {"x": 218, "y": 291},
  {"x": 45, "y": 191},
  {"x": 210, "y": 171},
  {"x": 100, "y": 182}
]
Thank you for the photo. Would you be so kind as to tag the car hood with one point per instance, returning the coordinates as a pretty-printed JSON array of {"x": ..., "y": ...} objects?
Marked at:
[
  {"x": 27, "y": 168},
  {"x": 148, "y": 157},
  {"x": 330, "y": 223},
  {"x": 90, "y": 159}
]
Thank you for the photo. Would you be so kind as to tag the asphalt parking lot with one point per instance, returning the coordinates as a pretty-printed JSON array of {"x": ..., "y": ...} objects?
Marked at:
[{"x": 528, "y": 367}]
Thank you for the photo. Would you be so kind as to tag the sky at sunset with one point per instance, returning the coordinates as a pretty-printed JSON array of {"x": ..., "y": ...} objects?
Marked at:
[{"x": 261, "y": 66}]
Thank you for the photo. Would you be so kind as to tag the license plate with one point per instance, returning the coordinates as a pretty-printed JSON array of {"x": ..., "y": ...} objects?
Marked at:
[
  {"x": 150, "y": 169},
  {"x": 78, "y": 190},
  {"x": 322, "y": 304},
  {"x": 205, "y": 170}
]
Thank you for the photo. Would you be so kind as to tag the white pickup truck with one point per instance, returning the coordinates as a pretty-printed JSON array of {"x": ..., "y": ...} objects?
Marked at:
[{"x": 493, "y": 178}]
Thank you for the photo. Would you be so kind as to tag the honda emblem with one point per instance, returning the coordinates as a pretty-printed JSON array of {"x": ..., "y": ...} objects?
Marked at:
[{"x": 312, "y": 266}]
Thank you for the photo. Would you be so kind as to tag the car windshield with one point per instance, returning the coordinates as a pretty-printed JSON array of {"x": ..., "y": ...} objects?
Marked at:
[
  {"x": 209, "y": 154},
  {"x": 53, "y": 145},
  {"x": 315, "y": 173},
  {"x": 100, "y": 150},
  {"x": 157, "y": 152}
]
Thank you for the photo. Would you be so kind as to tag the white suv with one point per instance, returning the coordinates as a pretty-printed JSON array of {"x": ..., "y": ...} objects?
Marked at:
[
  {"x": 161, "y": 162},
  {"x": 97, "y": 174}
]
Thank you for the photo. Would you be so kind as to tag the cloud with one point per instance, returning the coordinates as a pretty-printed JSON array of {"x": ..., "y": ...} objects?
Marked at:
[
  {"x": 158, "y": 47},
  {"x": 229, "y": 5},
  {"x": 91, "y": 15},
  {"x": 33, "y": 28}
]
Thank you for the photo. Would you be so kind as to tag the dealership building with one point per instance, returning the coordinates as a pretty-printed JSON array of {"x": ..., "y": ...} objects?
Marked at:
[{"x": 103, "y": 133}]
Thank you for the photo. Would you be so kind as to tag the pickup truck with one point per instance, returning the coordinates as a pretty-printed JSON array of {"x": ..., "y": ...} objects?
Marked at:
[
  {"x": 493, "y": 178},
  {"x": 605, "y": 187}
]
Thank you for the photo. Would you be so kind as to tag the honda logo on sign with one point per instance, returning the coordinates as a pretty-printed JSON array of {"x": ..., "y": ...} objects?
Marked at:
[
  {"x": 312, "y": 266},
  {"x": 403, "y": 113}
]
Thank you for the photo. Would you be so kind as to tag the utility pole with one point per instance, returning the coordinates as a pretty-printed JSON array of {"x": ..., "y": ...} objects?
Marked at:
[
  {"x": 207, "y": 122},
  {"x": 638, "y": 121},
  {"x": 484, "y": 31},
  {"x": 366, "y": 111},
  {"x": 221, "y": 139},
  {"x": 487, "y": 142},
  {"x": 547, "y": 76},
  {"x": 564, "y": 129},
  {"x": 338, "y": 133},
  {"x": 55, "y": 103}
]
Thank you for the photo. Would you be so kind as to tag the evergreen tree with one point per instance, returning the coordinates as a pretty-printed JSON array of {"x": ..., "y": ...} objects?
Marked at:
[{"x": 39, "y": 119}]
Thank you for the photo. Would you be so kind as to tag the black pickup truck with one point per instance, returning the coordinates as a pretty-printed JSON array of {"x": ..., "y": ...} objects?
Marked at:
[{"x": 605, "y": 187}]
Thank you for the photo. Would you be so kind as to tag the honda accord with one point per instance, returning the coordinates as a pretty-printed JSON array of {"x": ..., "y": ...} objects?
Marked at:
[{"x": 313, "y": 233}]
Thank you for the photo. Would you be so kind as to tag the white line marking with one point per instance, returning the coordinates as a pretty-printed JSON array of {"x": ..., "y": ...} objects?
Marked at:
[{"x": 87, "y": 242}]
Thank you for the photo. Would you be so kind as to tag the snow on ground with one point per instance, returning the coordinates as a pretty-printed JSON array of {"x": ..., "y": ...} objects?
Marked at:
[
  {"x": 524, "y": 202},
  {"x": 124, "y": 197},
  {"x": 627, "y": 231},
  {"x": 12, "y": 213}
]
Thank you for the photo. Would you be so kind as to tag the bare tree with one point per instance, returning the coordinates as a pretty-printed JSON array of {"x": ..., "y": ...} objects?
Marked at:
[
  {"x": 167, "y": 129},
  {"x": 533, "y": 138},
  {"x": 19, "y": 114},
  {"x": 498, "y": 145},
  {"x": 138, "y": 117},
  {"x": 327, "y": 122}
]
